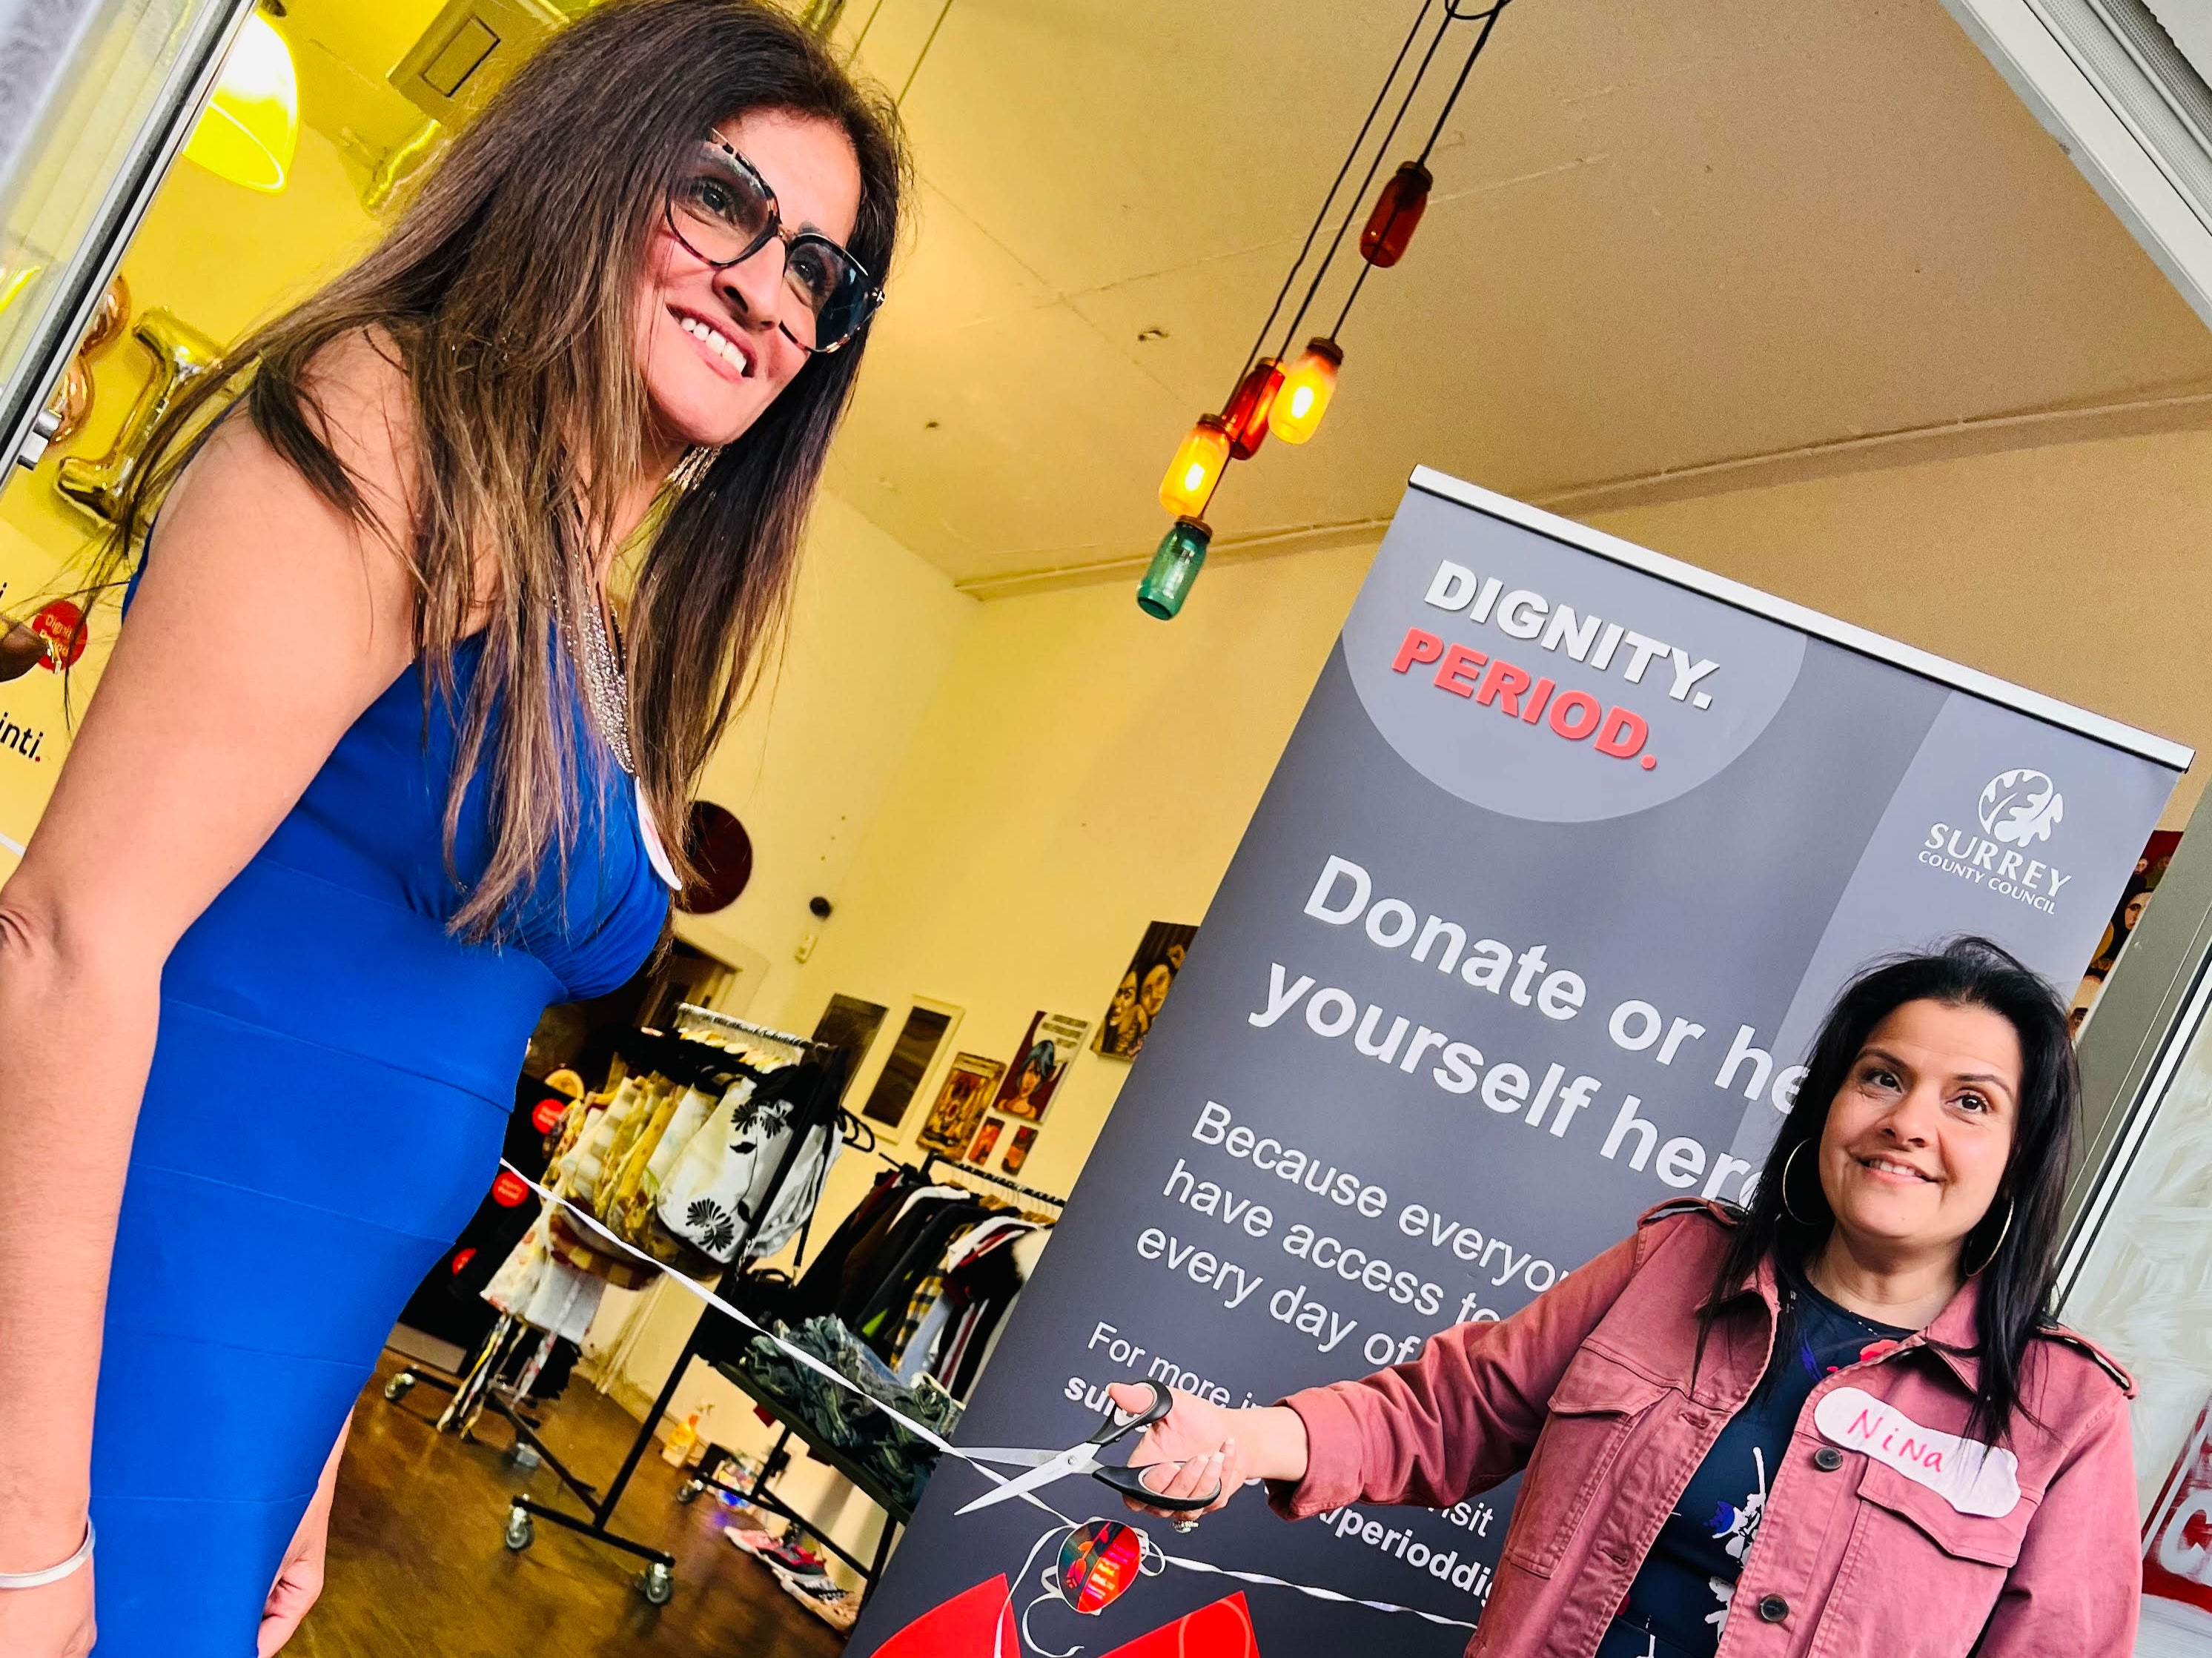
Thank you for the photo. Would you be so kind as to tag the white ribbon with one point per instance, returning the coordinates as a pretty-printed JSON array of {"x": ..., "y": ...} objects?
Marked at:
[{"x": 930, "y": 1436}]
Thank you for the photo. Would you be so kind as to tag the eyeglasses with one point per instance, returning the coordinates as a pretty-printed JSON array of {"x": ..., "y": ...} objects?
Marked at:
[{"x": 723, "y": 212}]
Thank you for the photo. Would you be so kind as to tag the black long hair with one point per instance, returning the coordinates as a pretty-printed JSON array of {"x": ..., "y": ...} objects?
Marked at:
[{"x": 2020, "y": 1251}]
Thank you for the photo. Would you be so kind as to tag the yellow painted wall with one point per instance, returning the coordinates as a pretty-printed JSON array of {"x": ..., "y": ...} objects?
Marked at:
[{"x": 2083, "y": 570}]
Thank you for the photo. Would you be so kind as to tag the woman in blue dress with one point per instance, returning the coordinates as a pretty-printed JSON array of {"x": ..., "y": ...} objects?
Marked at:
[{"x": 369, "y": 781}]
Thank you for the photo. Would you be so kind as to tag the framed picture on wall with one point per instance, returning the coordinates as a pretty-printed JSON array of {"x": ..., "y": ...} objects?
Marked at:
[
  {"x": 961, "y": 1099},
  {"x": 1144, "y": 988},
  {"x": 986, "y": 1138},
  {"x": 1052, "y": 1043},
  {"x": 926, "y": 1026},
  {"x": 851, "y": 1025},
  {"x": 1017, "y": 1151}
]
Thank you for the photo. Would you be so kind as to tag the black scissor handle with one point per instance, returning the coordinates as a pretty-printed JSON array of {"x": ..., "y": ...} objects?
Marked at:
[
  {"x": 1117, "y": 1423},
  {"x": 1130, "y": 1483}
]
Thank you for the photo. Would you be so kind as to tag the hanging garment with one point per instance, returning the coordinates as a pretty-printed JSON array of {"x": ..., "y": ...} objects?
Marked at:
[
  {"x": 727, "y": 1178},
  {"x": 982, "y": 1291},
  {"x": 926, "y": 1232},
  {"x": 878, "y": 1253},
  {"x": 536, "y": 1286},
  {"x": 580, "y": 1169},
  {"x": 931, "y": 1309},
  {"x": 697, "y": 1105},
  {"x": 1028, "y": 1251}
]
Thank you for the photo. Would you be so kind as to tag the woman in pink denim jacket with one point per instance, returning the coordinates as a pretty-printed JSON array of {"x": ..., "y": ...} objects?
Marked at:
[{"x": 1838, "y": 1423}]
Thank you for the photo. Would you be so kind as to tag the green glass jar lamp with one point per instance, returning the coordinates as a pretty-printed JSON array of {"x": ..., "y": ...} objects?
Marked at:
[{"x": 1181, "y": 556}]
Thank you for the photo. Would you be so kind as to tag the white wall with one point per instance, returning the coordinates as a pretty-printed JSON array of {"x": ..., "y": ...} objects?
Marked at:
[{"x": 874, "y": 630}]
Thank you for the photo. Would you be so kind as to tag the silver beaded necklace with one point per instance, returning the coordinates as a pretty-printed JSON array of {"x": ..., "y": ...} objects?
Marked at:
[{"x": 606, "y": 687}]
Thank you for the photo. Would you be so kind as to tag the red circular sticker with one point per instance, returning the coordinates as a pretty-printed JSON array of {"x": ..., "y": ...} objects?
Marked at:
[
  {"x": 509, "y": 1189},
  {"x": 462, "y": 1257},
  {"x": 61, "y": 624},
  {"x": 1097, "y": 1561},
  {"x": 547, "y": 1116}
]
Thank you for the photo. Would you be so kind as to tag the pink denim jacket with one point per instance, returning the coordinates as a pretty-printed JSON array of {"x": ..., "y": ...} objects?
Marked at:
[{"x": 1878, "y": 1539}]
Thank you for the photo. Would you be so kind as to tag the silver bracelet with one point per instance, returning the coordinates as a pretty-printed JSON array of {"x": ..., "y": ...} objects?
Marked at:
[{"x": 31, "y": 1580}]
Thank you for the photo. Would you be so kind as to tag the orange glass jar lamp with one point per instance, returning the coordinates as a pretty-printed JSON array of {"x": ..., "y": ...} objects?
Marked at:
[
  {"x": 1246, "y": 417},
  {"x": 1198, "y": 464},
  {"x": 1306, "y": 392},
  {"x": 1397, "y": 214}
]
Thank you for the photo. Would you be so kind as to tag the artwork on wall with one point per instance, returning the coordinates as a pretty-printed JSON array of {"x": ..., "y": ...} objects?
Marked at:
[
  {"x": 851, "y": 1025},
  {"x": 1053, "y": 1041},
  {"x": 1144, "y": 988},
  {"x": 1018, "y": 1152},
  {"x": 986, "y": 1138},
  {"x": 917, "y": 1044},
  {"x": 2135, "y": 898},
  {"x": 969, "y": 1082}
]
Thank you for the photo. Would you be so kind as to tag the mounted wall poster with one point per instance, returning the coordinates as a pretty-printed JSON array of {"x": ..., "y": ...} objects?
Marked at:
[
  {"x": 1047, "y": 1048},
  {"x": 1564, "y": 859},
  {"x": 969, "y": 1082},
  {"x": 1144, "y": 988}
]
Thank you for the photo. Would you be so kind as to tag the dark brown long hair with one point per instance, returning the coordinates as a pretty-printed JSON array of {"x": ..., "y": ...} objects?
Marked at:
[
  {"x": 2016, "y": 1243},
  {"x": 509, "y": 285}
]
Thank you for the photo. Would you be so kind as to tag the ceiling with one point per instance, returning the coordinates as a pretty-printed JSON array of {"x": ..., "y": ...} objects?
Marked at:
[
  {"x": 1664, "y": 236},
  {"x": 1667, "y": 235}
]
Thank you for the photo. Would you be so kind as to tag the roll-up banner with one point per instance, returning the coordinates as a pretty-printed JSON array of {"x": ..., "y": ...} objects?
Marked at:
[{"x": 1567, "y": 855}]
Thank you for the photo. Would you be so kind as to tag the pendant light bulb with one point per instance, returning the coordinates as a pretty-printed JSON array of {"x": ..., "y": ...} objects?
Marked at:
[
  {"x": 1306, "y": 392},
  {"x": 1176, "y": 564},
  {"x": 251, "y": 127},
  {"x": 1197, "y": 467},
  {"x": 1246, "y": 416},
  {"x": 1397, "y": 214}
]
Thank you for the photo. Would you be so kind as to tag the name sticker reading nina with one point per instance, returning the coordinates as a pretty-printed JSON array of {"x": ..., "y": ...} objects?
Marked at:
[{"x": 1971, "y": 1477}]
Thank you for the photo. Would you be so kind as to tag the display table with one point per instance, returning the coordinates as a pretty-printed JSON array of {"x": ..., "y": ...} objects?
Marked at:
[{"x": 897, "y": 1512}]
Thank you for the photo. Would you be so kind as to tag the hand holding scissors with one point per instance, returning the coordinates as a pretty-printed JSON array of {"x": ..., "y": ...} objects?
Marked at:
[
  {"x": 1191, "y": 1449},
  {"x": 1196, "y": 1485}
]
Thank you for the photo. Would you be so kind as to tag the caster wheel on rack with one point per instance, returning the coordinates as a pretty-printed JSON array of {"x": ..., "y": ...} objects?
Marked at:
[
  {"x": 400, "y": 1387},
  {"x": 688, "y": 1492},
  {"x": 521, "y": 1531},
  {"x": 657, "y": 1584}
]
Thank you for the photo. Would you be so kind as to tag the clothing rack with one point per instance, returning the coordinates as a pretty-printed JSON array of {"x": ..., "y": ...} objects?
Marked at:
[
  {"x": 731, "y": 1022},
  {"x": 657, "y": 1582},
  {"x": 931, "y": 1160}
]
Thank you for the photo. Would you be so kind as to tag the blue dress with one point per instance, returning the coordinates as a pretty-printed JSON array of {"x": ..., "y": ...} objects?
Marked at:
[{"x": 328, "y": 1091}]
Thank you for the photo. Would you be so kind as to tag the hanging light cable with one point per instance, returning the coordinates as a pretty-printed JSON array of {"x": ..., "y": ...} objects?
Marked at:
[
  {"x": 1482, "y": 39},
  {"x": 1291, "y": 329},
  {"x": 1291, "y": 402},
  {"x": 1321, "y": 215}
]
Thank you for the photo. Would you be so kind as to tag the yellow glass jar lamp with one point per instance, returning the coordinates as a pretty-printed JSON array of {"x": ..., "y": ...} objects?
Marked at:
[{"x": 250, "y": 130}]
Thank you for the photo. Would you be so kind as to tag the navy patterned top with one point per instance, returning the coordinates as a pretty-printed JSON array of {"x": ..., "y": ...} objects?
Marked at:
[{"x": 1679, "y": 1603}]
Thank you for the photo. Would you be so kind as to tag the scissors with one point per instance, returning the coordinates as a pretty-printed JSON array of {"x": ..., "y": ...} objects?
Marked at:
[{"x": 1045, "y": 1466}]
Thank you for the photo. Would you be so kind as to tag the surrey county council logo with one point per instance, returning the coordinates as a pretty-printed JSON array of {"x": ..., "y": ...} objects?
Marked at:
[
  {"x": 2020, "y": 807},
  {"x": 2017, "y": 809}
]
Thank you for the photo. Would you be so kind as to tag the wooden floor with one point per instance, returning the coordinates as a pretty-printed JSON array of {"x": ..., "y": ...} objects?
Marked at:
[{"x": 417, "y": 1562}]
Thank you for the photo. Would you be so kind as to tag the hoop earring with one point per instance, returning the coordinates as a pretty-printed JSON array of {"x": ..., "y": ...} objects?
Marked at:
[
  {"x": 1788, "y": 1208},
  {"x": 1998, "y": 1245}
]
